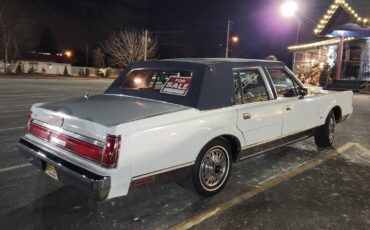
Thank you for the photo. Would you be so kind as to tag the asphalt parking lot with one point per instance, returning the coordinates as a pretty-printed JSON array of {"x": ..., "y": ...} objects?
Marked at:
[{"x": 295, "y": 187}]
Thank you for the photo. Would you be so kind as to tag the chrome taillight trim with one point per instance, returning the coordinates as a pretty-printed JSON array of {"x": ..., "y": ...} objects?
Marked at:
[{"x": 71, "y": 134}]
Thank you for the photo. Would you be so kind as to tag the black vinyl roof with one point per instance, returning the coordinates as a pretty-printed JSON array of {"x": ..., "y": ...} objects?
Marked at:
[
  {"x": 212, "y": 84},
  {"x": 210, "y": 61}
]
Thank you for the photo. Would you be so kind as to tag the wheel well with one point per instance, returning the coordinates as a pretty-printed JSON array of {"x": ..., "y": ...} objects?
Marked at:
[
  {"x": 337, "y": 113},
  {"x": 234, "y": 145}
]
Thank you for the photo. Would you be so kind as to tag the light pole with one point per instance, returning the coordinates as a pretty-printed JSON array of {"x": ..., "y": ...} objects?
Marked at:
[
  {"x": 227, "y": 39},
  {"x": 289, "y": 10}
]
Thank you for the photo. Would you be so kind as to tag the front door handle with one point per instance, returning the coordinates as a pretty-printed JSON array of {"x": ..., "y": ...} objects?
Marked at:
[
  {"x": 246, "y": 116},
  {"x": 288, "y": 108}
]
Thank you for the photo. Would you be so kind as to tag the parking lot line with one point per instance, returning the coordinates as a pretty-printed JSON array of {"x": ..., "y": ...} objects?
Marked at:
[
  {"x": 11, "y": 129},
  {"x": 13, "y": 111},
  {"x": 14, "y": 167},
  {"x": 264, "y": 187}
]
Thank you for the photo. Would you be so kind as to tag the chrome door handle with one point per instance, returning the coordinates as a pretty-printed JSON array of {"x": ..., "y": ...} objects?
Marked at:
[
  {"x": 246, "y": 116},
  {"x": 288, "y": 108}
]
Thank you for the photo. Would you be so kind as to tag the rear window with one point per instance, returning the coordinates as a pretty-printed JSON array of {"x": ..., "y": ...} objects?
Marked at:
[{"x": 175, "y": 82}]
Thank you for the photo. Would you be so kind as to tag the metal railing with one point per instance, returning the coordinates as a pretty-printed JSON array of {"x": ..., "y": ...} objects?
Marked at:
[{"x": 356, "y": 70}]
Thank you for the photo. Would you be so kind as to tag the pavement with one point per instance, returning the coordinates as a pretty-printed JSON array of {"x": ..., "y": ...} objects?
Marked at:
[{"x": 295, "y": 187}]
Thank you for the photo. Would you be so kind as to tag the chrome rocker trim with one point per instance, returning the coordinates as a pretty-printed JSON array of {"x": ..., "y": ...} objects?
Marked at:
[{"x": 95, "y": 185}]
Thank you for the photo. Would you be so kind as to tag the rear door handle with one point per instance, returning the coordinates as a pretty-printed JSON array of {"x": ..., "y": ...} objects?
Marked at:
[
  {"x": 246, "y": 116},
  {"x": 288, "y": 108}
]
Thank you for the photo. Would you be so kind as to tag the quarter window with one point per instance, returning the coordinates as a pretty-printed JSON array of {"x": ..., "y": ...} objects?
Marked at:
[
  {"x": 284, "y": 84},
  {"x": 249, "y": 86}
]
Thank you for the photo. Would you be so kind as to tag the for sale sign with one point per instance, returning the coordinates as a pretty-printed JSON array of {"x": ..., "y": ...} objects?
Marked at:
[{"x": 176, "y": 85}]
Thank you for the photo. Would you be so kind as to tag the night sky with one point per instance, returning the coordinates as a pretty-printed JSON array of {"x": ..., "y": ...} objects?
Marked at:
[{"x": 258, "y": 23}]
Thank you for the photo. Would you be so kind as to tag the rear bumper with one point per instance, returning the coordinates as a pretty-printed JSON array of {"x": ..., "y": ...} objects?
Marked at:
[{"x": 95, "y": 185}]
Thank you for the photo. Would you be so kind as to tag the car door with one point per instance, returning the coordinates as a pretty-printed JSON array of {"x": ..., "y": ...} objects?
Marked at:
[
  {"x": 300, "y": 113},
  {"x": 259, "y": 117}
]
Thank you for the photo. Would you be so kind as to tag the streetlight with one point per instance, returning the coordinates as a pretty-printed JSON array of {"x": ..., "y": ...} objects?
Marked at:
[
  {"x": 234, "y": 39},
  {"x": 289, "y": 9},
  {"x": 68, "y": 53}
]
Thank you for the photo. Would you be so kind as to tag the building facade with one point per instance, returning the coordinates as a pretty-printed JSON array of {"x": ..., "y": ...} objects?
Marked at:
[{"x": 343, "y": 46}]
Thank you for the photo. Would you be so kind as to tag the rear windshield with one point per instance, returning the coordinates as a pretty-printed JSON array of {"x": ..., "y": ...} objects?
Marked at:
[{"x": 175, "y": 82}]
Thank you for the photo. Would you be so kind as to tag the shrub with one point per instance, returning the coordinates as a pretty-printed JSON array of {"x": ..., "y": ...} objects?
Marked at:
[
  {"x": 65, "y": 72},
  {"x": 81, "y": 72},
  {"x": 108, "y": 73},
  {"x": 18, "y": 69},
  {"x": 87, "y": 72},
  {"x": 31, "y": 70}
]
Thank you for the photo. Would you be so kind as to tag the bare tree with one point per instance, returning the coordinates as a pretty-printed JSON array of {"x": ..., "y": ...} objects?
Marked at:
[
  {"x": 128, "y": 45},
  {"x": 12, "y": 32}
]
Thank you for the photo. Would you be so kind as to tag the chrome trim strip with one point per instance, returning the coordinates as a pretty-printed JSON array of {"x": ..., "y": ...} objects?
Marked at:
[
  {"x": 286, "y": 135},
  {"x": 279, "y": 146},
  {"x": 74, "y": 135},
  {"x": 163, "y": 170}
]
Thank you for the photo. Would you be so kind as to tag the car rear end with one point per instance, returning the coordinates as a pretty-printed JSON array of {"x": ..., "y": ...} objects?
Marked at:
[{"x": 73, "y": 151}]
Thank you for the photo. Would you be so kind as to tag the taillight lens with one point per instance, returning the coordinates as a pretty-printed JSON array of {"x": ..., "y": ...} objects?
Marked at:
[
  {"x": 78, "y": 147},
  {"x": 111, "y": 151},
  {"x": 82, "y": 148},
  {"x": 29, "y": 121},
  {"x": 107, "y": 157}
]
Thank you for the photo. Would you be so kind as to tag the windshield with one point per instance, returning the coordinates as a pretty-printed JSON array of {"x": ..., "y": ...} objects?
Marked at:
[{"x": 176, "y": 82}]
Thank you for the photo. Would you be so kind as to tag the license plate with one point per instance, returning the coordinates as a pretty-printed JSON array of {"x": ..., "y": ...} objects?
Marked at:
[{"x": 51, "y": 171}]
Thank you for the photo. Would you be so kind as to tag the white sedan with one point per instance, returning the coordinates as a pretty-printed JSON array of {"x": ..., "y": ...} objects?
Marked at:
[{"x": 183, "y": 119}]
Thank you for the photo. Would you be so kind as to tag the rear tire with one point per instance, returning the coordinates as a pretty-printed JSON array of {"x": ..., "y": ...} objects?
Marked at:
[
  {"x": 212, "y": 168},
  {"x": 325, "y": 135}
]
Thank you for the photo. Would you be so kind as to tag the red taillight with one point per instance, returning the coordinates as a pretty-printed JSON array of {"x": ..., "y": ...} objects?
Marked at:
[
  {"x": 82, "y": 148},
  {"x": 111, "y": 151},
  {"x": 39, "y": 131},
  {"x": 78, "y": 147},
  {"x": 108, "y": 158},
  {"x": 29, "y": 121}
]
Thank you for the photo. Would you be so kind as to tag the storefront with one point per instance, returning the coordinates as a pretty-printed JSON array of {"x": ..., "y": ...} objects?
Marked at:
[{"x": 343, "y": 51}]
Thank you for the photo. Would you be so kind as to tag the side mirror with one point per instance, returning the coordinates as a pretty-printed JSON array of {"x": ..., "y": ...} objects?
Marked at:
[{"x": 302, "y": 92}]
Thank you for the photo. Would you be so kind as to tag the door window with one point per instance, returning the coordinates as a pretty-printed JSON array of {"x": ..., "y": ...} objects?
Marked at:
[
  {"x": 249, "y": 86},
  {"x": 284, "y": 83}
]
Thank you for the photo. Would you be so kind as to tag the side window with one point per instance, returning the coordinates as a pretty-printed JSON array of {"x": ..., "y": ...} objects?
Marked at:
[
  {"x": 249, "y": 86},
  {"x": 284, "y": 83}
]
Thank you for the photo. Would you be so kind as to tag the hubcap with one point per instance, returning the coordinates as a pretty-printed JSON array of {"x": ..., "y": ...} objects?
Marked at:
[
  {"x": 214, "y": 168},
  {"x": 331, "y": 128}
]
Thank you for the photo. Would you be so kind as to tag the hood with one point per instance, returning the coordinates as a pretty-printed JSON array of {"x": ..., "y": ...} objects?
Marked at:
[{"x": 110, "y": 110}]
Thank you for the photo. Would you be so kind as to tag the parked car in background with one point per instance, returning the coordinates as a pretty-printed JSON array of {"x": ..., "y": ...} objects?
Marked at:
[{"x": 188, "y": 118}]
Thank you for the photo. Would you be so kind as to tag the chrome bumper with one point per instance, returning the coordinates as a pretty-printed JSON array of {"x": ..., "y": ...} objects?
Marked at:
[{"x": 68, "y": 173}]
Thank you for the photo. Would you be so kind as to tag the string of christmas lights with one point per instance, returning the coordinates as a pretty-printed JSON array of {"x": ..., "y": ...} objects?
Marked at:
[{"x": 333, "y": 8}]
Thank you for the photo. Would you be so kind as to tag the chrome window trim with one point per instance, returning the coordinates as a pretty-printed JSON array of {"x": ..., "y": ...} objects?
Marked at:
[
  {"x": 293, "y": 76},
  {"x": 264, "y": 78},
  {"x": 71, "y": 134}
]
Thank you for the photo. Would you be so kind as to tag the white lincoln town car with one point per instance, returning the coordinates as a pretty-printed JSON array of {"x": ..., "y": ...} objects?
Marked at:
[{"x": 183, "y": 119}]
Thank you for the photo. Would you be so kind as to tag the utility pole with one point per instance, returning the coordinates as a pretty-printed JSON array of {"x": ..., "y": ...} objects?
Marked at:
[
  {"x": 87, "y": 56},
  {"x": 145, "y": 45},
  {"x": 298, "y": 30},
  {"x": 227, "y": 39}
]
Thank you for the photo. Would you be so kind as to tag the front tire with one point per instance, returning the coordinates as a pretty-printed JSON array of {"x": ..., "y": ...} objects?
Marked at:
[
  {"x": 212, "y": 168},
  {"x": 325, "y": 135}
]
